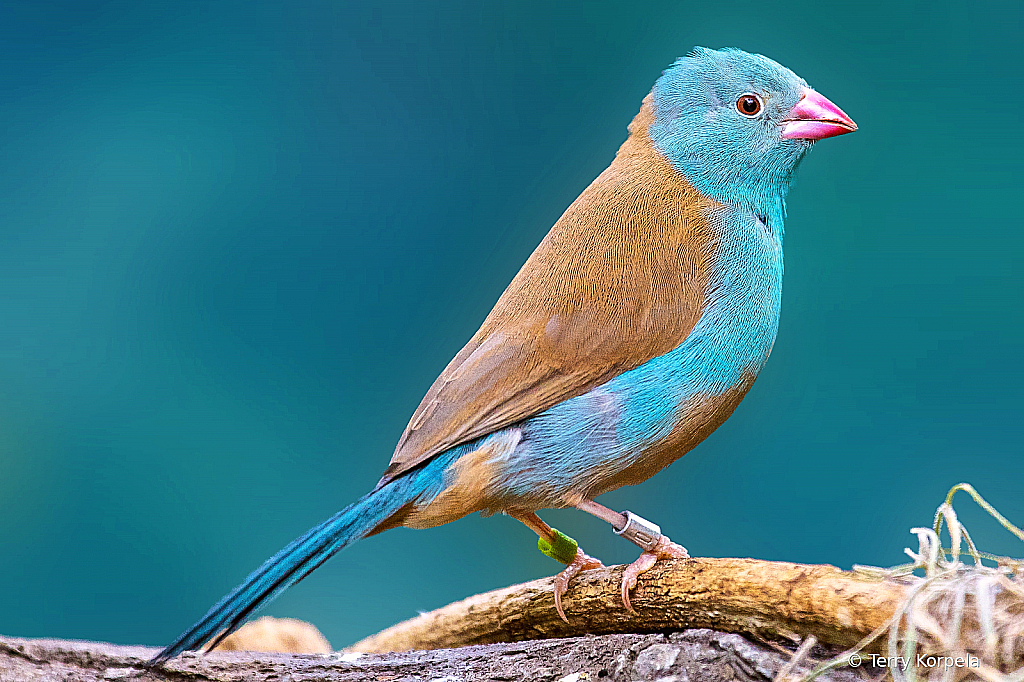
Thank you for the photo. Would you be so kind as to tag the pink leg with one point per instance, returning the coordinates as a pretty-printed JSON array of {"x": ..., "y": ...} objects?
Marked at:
[
  {"x": 644, "y": 534},
  {"x": 581, "y": 562}
]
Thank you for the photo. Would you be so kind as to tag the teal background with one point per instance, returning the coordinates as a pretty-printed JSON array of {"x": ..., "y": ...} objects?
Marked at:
[{"x": 238, "y": 241}]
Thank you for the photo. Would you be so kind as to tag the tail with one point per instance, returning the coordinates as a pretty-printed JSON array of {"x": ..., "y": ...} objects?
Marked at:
[{"x": 295, "y": 562}]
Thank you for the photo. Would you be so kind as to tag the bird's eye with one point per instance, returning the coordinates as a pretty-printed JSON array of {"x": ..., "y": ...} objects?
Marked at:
[{"x": 749, "y": 105}]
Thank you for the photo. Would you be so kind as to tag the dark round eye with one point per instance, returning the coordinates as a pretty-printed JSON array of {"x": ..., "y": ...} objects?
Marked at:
[{"x": 749, "y": 105}]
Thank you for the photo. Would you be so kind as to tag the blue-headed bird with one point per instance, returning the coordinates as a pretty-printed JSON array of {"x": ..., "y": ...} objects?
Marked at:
[{"x": 630, "y": 334}]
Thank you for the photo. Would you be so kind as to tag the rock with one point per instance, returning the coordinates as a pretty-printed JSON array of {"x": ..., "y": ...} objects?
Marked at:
[
  {"x": 654, "y": 659},
  {"x": 687, "y": 656}
]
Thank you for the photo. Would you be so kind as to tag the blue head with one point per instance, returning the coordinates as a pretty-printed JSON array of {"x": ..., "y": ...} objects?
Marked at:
[{"x": 737, "y": 124}]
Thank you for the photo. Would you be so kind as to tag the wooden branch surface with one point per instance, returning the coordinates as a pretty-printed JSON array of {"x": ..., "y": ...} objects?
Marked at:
[{"x": 763, "y": 598}]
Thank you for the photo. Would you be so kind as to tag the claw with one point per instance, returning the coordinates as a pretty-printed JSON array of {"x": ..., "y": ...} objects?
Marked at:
[
  {"x": 665, "y": 549},
  {"x": 582, "y": 562}
]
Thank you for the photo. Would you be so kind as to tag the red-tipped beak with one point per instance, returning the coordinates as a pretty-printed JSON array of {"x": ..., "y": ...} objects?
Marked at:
[{"x": 815, "y": 118}]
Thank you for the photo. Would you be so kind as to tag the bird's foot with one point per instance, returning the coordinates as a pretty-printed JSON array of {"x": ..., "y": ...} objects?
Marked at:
[
  {"x": 582, "y": 562},
  {"x": 665, "y": 549}
]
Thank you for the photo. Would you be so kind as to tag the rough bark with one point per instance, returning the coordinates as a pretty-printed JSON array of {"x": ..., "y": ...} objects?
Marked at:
[
  {"x": 692, "y": 656},
  {"x": 772, "y": 600}
]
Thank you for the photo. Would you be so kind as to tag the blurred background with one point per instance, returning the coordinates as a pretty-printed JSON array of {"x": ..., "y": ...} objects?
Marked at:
[{"x": 238, "y": 241}]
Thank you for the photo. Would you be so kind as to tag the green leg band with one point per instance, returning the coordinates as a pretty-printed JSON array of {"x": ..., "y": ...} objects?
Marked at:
[{"x": 563, "y": 548}]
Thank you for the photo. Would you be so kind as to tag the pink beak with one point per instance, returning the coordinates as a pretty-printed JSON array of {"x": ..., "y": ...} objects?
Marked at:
[{"x": 815, "y": 118}]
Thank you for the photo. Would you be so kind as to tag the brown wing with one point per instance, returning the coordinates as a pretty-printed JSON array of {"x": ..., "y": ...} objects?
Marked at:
[{"x": 617, "y": 281}]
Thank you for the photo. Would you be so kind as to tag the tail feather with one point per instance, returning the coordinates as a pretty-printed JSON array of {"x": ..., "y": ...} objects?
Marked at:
[{"x": 292, "y": 564}]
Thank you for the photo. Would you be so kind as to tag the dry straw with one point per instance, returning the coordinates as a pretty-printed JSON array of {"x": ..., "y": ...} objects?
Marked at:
[{"x": 959, "y": 621}]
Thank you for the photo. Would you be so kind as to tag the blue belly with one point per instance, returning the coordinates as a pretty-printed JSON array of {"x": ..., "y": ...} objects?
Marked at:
[
  {"x": 614, "y": 434},
  {"x": 579, "y": 445}
]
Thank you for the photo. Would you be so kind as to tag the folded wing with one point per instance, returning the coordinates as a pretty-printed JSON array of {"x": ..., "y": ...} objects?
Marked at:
[{"x": 620, "y": 279}]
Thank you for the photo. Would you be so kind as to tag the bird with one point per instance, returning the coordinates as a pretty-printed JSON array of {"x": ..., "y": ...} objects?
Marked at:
[{"x": 631, "y": 333}]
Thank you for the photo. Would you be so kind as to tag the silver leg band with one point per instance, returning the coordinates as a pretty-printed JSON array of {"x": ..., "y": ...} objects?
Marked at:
[{"x": 639, "y": 531}]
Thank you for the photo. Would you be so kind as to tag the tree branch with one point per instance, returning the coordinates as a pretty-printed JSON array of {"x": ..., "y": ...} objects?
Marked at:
[{"x": 766, "y": 599}]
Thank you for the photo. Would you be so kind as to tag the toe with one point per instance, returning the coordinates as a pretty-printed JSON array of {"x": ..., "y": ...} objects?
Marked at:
[
  {"x": 559, "y": 591},
  {"x": 582, "y": 562},
  {"x": 561, "y": 585},
  {"x": 628, "y": 584},
  {"x": 643, "y": 564},
  {"x": 667, "y": 549}
]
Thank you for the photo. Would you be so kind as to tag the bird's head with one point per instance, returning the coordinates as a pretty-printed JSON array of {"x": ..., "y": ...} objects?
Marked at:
[{"x": 737, "y": 124}]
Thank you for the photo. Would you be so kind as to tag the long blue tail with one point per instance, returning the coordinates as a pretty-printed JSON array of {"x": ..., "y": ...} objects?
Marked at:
[{"x": 299, "y": 559}]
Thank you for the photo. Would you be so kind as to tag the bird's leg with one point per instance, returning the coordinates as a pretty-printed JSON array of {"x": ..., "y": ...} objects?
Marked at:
[
  {"x": 642, "y": 533},
  {"x": 559, "y": 547}
]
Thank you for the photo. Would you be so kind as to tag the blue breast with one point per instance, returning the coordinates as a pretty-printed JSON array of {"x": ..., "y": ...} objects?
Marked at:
[{"x": 585, "y": 442}]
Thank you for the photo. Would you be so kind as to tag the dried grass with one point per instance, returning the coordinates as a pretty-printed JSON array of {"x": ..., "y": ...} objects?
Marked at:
[{"x": 962, "y": 621}]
